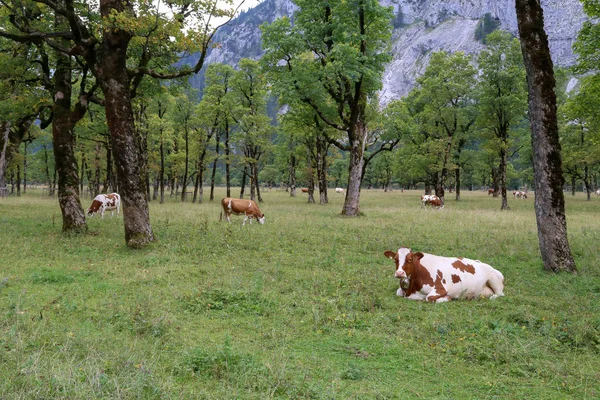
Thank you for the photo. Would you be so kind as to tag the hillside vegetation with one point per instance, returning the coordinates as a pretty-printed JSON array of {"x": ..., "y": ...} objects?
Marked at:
[{"x": 301, "y": 307}]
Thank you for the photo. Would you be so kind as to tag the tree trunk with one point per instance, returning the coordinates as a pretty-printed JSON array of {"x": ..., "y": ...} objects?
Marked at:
[
  {"x": 82, "y": 172},
  {"x": 114, "y": 80},
  {"x": 457, "y": 183},
  {"x": 199, "y": 184},
  {"x": 47, "y": 165},
  {"x": 322, "y": 147},
  {"x": 25, "y": 168},
  {"x": 495, "y": 181},
  {"x": 252, "y": 182},
  {"x": 547, "y": 163},
  {"x": 161, "y": 173},
  {"x": 227, "y": 160},
  {"x": 502, "y": 173},
  {"x": 3, "y": 188},
  {"x": 586, "y": 182},
  {"x": 96, "y": 185},
  {"x": 18, "y": 180},
  {"x": 311, "y": 183},
  {"x": 257, "y": 183},
  {"x": 187, "y": 157},
  {"x": 156, "y": 186},
  {"x": 355, "y": 167},
  {"x": 292, "y": 176},
  {"x": 214, "y": 169},
  {"x": 243, "y": 188}
]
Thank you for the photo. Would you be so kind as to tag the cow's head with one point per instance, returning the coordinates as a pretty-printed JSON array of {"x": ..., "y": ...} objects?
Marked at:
[
  {"x": 261, "y": 218},
  {"x": 406, "y": 261},
  {"x": 94, "y": 208}
]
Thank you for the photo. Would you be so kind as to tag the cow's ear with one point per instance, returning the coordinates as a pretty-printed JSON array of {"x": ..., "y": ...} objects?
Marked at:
[
  {"x": 390, "y": 254},
  {"x": 418, "y": 255}
]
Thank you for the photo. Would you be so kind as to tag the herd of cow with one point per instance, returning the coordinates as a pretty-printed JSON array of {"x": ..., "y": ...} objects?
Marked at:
[{"x": 422, "y": 276}]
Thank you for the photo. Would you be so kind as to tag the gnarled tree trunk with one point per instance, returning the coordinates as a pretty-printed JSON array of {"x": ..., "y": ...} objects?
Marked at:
[
  {"x": 114, "y": 81},
  {"x": 547, "y": 163},
  {"x": 63, "y": 139},
  {"x": 355, "y": 168}
]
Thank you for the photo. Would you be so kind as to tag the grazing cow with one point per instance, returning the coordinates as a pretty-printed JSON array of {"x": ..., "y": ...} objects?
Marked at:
[
  {"x": 437, "y": 279},
  {"x": 431, "y": 200},
  {"x": 519, "y": 194},
  {"x": 490, "y": 191},
  {"x": 598, "y": 192},
  {"x": 104, "y": 202},
  {"x": 304, "y": 190},
  {"x": 241, "y": 206},
  {"x": 340, "y": 190}
]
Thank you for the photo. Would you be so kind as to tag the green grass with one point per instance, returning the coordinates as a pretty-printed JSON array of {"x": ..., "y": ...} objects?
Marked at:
[{"x": 303, "y": 307}]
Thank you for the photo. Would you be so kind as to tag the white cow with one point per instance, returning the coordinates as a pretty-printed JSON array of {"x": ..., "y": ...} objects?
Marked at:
[{"x": 340, "y": 190}]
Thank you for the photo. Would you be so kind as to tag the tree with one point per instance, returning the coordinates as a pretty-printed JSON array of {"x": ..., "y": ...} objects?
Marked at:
[
  {"x": 549, "y": 198},
  {"x": 501, "y": 100},
  {"x": 249, "y": 94},
  {"x": 443, "y": 100},
  {"x": 121, "y": 43},
  {"x": 332, "y": 59},
  {"x": 22, "y": 99},
  {"x": 304, "y": 125},
  {"x": 580, "y": 133},
  {"x": 587, "y": 46},
  {"x": 216, "y": 114}
]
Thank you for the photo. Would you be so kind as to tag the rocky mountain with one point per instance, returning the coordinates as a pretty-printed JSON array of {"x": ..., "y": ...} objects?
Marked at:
[{"x": 420, "y": 28}]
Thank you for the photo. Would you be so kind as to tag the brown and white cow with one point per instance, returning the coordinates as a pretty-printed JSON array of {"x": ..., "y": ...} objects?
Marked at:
[
  {"x": 241, "y": 206},
  {"x": 431, "y": 200},
  {"x": 490, "y": 191},
  {"x": 104, "y": 202},
  {"x": 437, "y": 279},
  {"x": 519, "y": 194}
]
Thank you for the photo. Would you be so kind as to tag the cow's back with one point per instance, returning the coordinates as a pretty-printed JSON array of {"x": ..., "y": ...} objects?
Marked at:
[{"x": 463, "y": 277}]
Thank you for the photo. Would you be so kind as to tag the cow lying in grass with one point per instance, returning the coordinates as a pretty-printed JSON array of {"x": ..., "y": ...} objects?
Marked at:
[
  {"x": 240, "y": 206},
  {"x": 437, "y": 279},
  {"x": 104, "y": 202}
]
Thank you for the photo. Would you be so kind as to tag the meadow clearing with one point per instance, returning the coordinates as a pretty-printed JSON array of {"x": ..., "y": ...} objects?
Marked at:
[{"x": 302, "y": 307}]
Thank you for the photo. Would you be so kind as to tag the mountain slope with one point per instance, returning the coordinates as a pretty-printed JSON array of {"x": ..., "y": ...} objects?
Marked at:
[{"x": 421, "y": 27}]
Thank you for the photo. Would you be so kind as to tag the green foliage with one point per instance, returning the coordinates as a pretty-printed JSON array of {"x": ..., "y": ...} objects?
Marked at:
[
  {"x": 502, "y": 99},
  {"x": 332, "y": 59},
  {"x": 579, "y": 131},
  {"x": 441, "y": 115},
  {"x": 587, "y": 45}
]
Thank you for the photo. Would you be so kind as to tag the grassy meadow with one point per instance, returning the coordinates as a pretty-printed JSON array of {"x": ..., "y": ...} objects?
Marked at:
[{"x": 303, "y": 307}]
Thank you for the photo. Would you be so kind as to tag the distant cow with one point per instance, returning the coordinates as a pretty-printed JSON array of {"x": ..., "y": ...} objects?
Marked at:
[
  {"x": 340, "y": 190},
  {"x": 519, "y": 194},
  {"x": 598, "y": 192},
  {"x": 490, "y": 191},
  {"x": 103, "y": 202},
  {"x": 437, "y": 279},
  {"x": 304, "y": 190},
  {"x": 241, "y": 206},
  {"x": 431, "y": 200}
]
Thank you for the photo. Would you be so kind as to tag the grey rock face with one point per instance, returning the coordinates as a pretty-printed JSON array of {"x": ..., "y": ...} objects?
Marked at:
[{"x": 427, "y": 26}]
